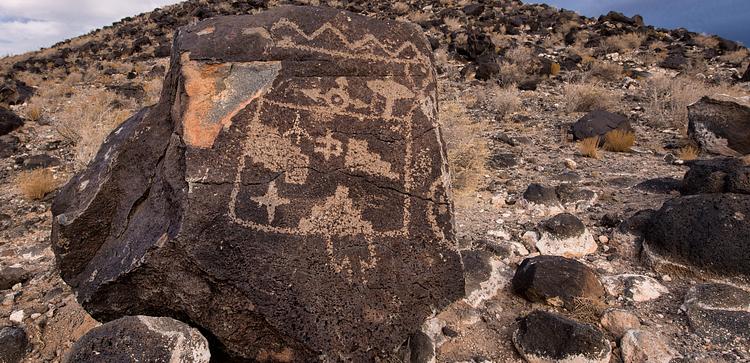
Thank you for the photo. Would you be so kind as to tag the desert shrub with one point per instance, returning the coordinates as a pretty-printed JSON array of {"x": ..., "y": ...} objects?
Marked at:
[
  {"x": 453, "y": 23},
  {"x": 736, "y": 57},
  {"x": 521, "y": 55},
  {"x": 502, "y": 101},
  {"x": 34, "y": 111},
  {"x": 467, "y": 149},
  {"x": 589, "y": 147},
  {"x": 619, "y": 140},
  {"x": 585, "y": 97},
  {"x": 400, "y": 8},
  {"x": 86, "y": 120},
  {"x": 689, "y": 152},
  {"x": 419, "y": 16},
  {"x": 35, "y": 184}
]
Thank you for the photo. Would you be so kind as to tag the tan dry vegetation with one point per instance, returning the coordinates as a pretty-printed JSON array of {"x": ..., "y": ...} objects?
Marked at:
[
  {"x": 35, "y": 184},
  {"x": 619, "y": 140},
  {"x": 520, "y": 55},
  {"x": 706, "y": 41},
  {"x": 510, "y": 73},
  {"x": 585, "y": 97},
  {"x": 589, "y": 148},
  {"x": 501, "y": 101},
  {"x": 605, "y": 71},
  {"x": 467, "y": 150},
  {"x": 86, "y": 120},
  {"x": 736, "y": 57},
  {"x": 419, "y": 16},
  {"x": 401, "y": 8},
  {"x": 453, "y": 23},
  {"x": 624, "y": 42}
]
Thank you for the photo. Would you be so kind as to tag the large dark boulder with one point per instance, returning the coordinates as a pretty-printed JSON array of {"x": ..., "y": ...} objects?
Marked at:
[
  {"x": 141, "y": 339},
  {"x": 719, "y": 313},
  {"x": 548, "y": 337},
  {"x": 598, "y": 123},
  {"x": 708, "y": 231},
  {"x": 13, "y": 92},
  {"x": 13, "y": 344},
  {"x": 746, "y": 77},
  {"x": 721, "y": 124},
  {"x": 9, "y": 121},
  {"x": 723, "y": 175},
  {"x": 557, "y": 281},
  {"x": 288, "y": 194}
]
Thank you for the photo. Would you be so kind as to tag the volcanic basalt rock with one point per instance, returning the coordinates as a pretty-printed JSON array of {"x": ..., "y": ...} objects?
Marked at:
[
  {"x": 720, "y": 124},
  {"x": 288, "y": 194}
]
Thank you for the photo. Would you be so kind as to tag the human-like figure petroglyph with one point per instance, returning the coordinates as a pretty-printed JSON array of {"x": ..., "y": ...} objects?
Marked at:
[{"x": 271, "y": 200}]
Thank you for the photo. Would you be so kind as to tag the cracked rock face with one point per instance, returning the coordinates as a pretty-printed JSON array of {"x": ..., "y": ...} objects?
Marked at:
[
  {"x": 141, "y": 339},
  {"x": 721, "y": 124},
  {"x": 288, "y": 194}
]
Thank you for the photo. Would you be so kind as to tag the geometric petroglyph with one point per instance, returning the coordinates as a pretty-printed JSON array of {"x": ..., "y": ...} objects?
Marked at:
[{"x": 359, "y": 158}]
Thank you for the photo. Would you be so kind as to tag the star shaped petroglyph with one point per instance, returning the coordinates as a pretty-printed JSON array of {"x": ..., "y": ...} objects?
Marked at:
[
  {"x": 329, "y": 146},
  {"x": 271, "y": 200}
]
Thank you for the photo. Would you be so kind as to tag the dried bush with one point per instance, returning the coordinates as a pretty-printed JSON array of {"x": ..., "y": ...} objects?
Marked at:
[
  {"x": 86, "y": 120},
  {"x": 585, "y": 97},
  {"x": 400, "y": 8},
  {"x": 453, "y": 23},
  {"x": 34, "y": 111},
  {"x": 502, "y": 101},
  {"x": 467, "y": 149},
  {"x": 689, "y": 152},
  {"x": 419, "y": 16},
  {"x": 619, "y": 140},
  {"x": 736, "y": 57},
  {"x": 35, "y": 184},
  {"x": 510, "y": 73},
  {"x": 589, "y": 147},
  {"x": 521, "y": 55}
]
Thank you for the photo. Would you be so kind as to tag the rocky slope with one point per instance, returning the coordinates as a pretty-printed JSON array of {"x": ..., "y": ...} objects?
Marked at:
[{"x": 512, "y": 80}]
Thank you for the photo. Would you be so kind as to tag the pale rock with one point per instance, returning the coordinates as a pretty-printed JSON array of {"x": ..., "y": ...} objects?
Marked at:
[
  {"x": 638, "y": 346},
  {"x": 618, "y": 321},
  {"x": 637, "y": 288}
]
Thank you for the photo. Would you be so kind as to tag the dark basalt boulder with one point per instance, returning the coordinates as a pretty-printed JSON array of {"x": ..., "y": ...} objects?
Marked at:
[
  {"x": 708, "y": 231},
  {"x": 548, "y": 337},
  {"x": 721, "y": 125},
  {"x": 663, "y": 185},
  {"x": 598, "y": 123},
  {"x": 746, "y": 77},
  {"x": 13, "y": 92},
  {"x": 723, "y": 175},
  {"x": 288, "y": 194},
  {"x": 719, "y": 313},
  {"x": 141, "y": 339},
  {"x": 557, "y": 281},
  {"x": 9, "y": 121},
  {"x": 13, "y": 344}
]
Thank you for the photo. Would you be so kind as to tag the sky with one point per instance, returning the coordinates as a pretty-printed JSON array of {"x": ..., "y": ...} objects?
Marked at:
[
  {"x": 27, "y": 25},
  {"x": 728, "y": 18}
]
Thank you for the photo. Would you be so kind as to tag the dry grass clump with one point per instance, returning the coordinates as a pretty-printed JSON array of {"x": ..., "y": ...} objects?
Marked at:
[
  {"x": 689, "y": 152},
  {"x": 467, "y": 150},
  {"x": 34, "y": 112},
  {"x": 587, "y": 310},
  {"x": 585, "y": 97},
  {"x": 707, "y": 41},
  {"x": 736, "y": 57},
  {"x": 153, "y": 91},
  {"x": 605, "y": 71},
  {"x": 520, "y": 55},
  {"x": 419, "y": 16},
  {"x": 453, "y": 23},
  {"x": 35, "y": 184},
  {"x": 86, "y": 120},
  {"x": 510, "y": 73},
  {"x": 619, "y": 140},
  {"x": 589, "y": 148},
  {"x": 400, "y": 8},
  {"x": 624, "y": 42},
  {"x": 502, "y": 101}
]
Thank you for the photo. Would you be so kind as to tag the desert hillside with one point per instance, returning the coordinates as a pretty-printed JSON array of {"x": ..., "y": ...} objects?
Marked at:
[{"x": 598, "y": 206}]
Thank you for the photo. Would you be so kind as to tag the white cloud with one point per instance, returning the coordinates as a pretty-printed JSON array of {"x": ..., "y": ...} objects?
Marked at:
[{"x": 27, "y": 25}]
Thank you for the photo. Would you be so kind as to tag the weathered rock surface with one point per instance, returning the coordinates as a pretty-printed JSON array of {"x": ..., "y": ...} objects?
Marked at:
[
  {"x": 723, "y": 175},
  {"x": 638, "y": 346},
  {"x": 549, "y": 337},
  {"x": 708, "y": 231},
  {"x": 719, "y": 313},
  {"x": 13, "y": 344},
  {"x": 636, "y": 288},
  {"x": 141, "y": 339},
  {"x": 565, "y": 235},
  {"x": 598, "y": 123},
  {"x": 11, "y": 275},
  {"x": 557, "y": 281},
  {"x": 619, "y": 321},
  {"x": 287, "y": 195},
  {"x": 14, "y": 92},
  {"x": 721, "y": 124}
]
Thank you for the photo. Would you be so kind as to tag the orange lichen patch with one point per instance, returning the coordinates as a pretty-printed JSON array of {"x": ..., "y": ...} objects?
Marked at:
[{"x": 217, "y": 92}]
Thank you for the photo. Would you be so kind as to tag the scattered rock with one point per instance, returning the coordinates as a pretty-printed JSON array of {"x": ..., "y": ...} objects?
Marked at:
[
  {"x": 540, "y": 194},
  {"x": 188, "y": 219},
  {"x": 565, "y": 235},
  {"x": 722, "y": 175},
  {"x": 636, "y": 288},
  {"x": 14, "y": 92},
  {"x": 639, "y": 346},
  {"x": 598, "y": 123},
  {"x": 719, "y": 312},
  {"x": 10, "y": 276},
  {"x": 483, "y": 274},
  {"x": 720, "y": 124},
  {"x": 17, "y": 316},
  {"x": 8, "y": 121},
  {"x": 557, "y": 281},
  {"x": 618, "y": 321},
  {"x": 549, "y": 337},
  {"x": 708, "y": 231},
  {"x": 141, "y": 339},
  {"x": 659, "y": 185},
  {"x": 39, "y": 161},
  {"x": 13, "y": 344}
]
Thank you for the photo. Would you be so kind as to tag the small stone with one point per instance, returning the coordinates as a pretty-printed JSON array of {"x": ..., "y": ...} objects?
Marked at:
[
  {"x": 449, "y": 332},
  {"x": 570, "y": 164},
  {"x": 666, "y": 278},
  {"x": 603, "y": 239},
  {"x": 565, "y": 235},
  {"x": 618, "y": 321},
  {"x": 35, "y": 315},
  {"x": 639, "y": 346},
  {"x": 499, "y": 234},
  {"x": 13, "y": 344},
  {"x": 637, "y": 288},
  {"x": 17, "y": 316}
]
